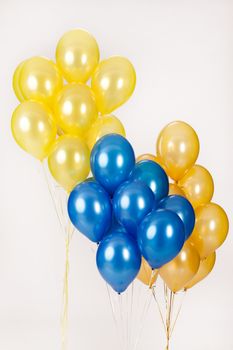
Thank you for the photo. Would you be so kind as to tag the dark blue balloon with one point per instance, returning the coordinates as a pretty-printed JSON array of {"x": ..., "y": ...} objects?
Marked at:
[
  {"x": 160, "y": 237},
  {"x": 118, "y": 260},
  {"x": 90, "y": 210},
  {"x": 182, "y": 207},
  {"x": 112, "y": 160},
  {"x": 132, "y": 201},
  {"x": 153, "y": 175}
]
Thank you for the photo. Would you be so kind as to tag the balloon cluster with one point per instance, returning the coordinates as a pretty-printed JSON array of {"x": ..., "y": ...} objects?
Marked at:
[
  {"x": 143, "y": 225},
  {"x": 60, "y": 116}
]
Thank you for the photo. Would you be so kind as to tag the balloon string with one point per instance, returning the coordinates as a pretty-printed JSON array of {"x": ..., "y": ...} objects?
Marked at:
[
  {"x": 178, "y": 313},
  {"x": 159, "y": 307}
]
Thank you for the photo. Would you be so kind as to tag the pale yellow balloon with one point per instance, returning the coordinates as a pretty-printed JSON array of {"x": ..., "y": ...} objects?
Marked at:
[
  {"x": 210, "y": 230},
  {"x": 198, "y": 185},
  {"x": 175, "y": 189},
  {"x": 178, "y": 272},
  {"x": 206, "y": 266},
  {"x": 104, "y": 125},
  {"x": 69, "y": 161},
  {"x": 77, "y": 55},
  {"x": 75, "y": 109},
  {"x": 38, "y": 79},
  {"x": 178, "y": 148},
  {"x": 146, "y": 275},
  {"x": 113, "y": 83},
  {"x": 33, "y": 128},
  {"x": 15, "y": 82}
]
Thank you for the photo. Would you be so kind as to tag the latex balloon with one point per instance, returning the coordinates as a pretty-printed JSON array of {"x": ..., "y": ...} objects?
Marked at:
[
  {"x": 211, "y": 229},
  {"x": 112, "y": 160},
  {"x": 153, "y": 176},
  {"x": 182, "y": 207},
  {"x": 69, "y": 161},
  {"x": 198, "y": 185},
  {"x": 175, "y": 189},
  {"x": 113, "y": 83},
  {"x": 104, "y": 125},
  {"x": 160, "y": 237},
  {"x": 206, "y": 266},
  {"x": 33, "y": 128},
  {"x": 178, "y": 272},
  {"x": 75, "y": 109},
  {"x": 132, "y": 201},
  {"x": 15, "y": 82},
  {"x": 146, "y": 275},
  {"x": 178, "y": 148},
  {"x": 38, "y": 79},
  {"x": 148, "y": 156},
  {"x": 77, "y": 55},
  {"x": 90, "y": 210},
  {"x": 118, "y": 260}
]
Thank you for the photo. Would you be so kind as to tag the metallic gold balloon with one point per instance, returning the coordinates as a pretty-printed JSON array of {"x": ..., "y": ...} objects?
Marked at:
[
  {"x": 77, "y": 55},
  {"x": 104, "y": 125},
  {"x": 113, "y": 83},
  {"x": 206, "y": 266},
  {"x": 146, "y": 275},
  {"x": 178, "y": 272},
  {"x": 198, "y": 185},
  {"x": 178, "y": 147},
  {"x": 175, "y": 189},
  {"x": 15, "y": 82},
  {"x": 33, "y": 128},
  {"x": 211, "y": 229},
  {"x": 38, "y": 79},
  {"x": 69, "y": 161},
  {"x": 75, "y": 109}
]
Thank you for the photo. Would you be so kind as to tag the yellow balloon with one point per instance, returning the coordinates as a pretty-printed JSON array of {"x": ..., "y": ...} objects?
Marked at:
[
  {"x": 149, "y": 156},
  {"x": 38, "y": 79},
  {"x": 198, "y": 185},
  {"x": 175, "y": 189},
  {"x": 15, "y": 82},
  {"x": 146, "y": 275},
  {"x": 113, "y": 83},
  {"x": 206, "y": 266},
  {"x": 104, "y": 125},
  {"x": 77, "y": 55},
  {"x": 211, "y": 229},
  {"x": 69, "y": 161},
  {"x": 33, "y": 128},
  {"x": 178, "y": 148},
  {"x": 178, "y": 272},
  {"x": 75, "y": 109}
]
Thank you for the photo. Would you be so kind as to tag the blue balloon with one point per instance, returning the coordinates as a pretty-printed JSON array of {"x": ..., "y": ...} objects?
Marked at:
[
  {"x": 153, "y": 175},
  {"x": 183, "y": 208},
  {"x": 160, "y": 237},
  {"x": 132, "y": 201},
  {"x": 118, "y": 260},
  {"x": 112, "y": 160},
  {"x": 90, "y": 210}
]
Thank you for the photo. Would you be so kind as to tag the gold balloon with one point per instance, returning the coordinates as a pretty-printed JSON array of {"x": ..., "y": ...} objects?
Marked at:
[
  {"x": 38, "y": 79},
  {"x": 77, "y": 55},
  {"x": 75, "y": 109},
  {"x": 113, "y": 83},
  {"x": 198, "y": 185},
  {"x": 146, "y": 275},
  {"x": 104, "y": 125},
  {"x": 69, "y": 161},
  {"x": 15, "y": 82},
  {"x": 175, "y": 189},
  {"x": 206, "y": 266},
  {"x": 148, "y": 156},
  {"x": 211, "y": 229},
  {"x": 178, "y": 272},
  {"x": 178, "y": 147},
  {"x": 33, "y": 128}
]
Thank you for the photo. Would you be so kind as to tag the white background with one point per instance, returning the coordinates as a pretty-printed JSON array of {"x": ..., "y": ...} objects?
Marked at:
[{"x": 183, "y": 55}]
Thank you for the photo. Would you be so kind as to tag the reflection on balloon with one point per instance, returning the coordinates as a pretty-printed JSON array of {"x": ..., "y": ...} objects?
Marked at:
[
  {"x": 33, "y": 128},
  {"x": 211, "y": 229},
  {"x": 178, "y": 272},
  {"x": 178, "y": 148},
  {"x": 175, "y": 189},
  {"x": 146, "y": 275},
  {"x": 113, "y": 83},
  {"x": 198, "y": 185},
  {"x": 77, "y": 55},
  {"x": 69, "y": 161}
]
